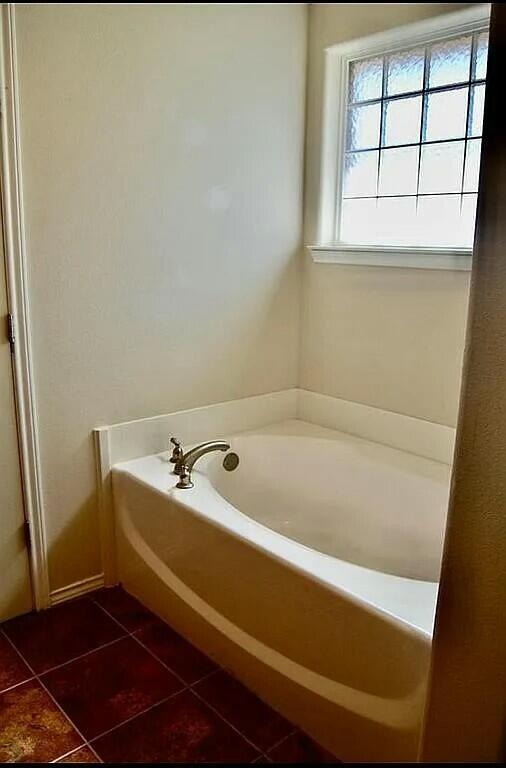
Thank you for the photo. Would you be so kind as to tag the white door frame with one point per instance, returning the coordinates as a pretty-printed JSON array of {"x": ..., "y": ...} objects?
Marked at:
[{"x": 17, "y": 297}]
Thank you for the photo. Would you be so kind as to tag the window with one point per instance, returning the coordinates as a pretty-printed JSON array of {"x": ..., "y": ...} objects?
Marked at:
[{"x": 409, "y": 125}]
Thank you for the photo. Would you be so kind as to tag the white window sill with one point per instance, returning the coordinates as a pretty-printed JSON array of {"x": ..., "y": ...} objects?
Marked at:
[{"x": 459, "y": 259}]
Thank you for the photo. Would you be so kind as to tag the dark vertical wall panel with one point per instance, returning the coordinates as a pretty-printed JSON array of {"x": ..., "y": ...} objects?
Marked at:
[{"x": 465, "y": 710}]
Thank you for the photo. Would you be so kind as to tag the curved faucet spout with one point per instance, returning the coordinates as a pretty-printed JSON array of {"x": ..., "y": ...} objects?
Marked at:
[
  {"x": 184, "y": 466},
  {"x": 196, "y": 453}
]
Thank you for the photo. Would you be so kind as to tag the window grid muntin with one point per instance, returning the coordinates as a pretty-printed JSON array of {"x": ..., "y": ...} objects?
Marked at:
[
  {"x": 382, "y": 124},
  {"x": 413, "y": 194},
  {"x": 424, "y": 92},
  {"x": 472, "y": 67}
]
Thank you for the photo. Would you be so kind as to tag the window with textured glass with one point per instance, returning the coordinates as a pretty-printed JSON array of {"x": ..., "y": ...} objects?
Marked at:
[{"x": 412, "y": 145}]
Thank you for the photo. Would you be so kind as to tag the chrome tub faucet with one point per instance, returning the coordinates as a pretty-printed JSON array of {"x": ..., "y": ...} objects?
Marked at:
[{"x": 184, "y": 462}]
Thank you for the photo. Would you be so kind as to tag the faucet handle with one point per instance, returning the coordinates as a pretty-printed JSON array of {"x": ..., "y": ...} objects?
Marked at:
[{"x": 177, "y": 451}]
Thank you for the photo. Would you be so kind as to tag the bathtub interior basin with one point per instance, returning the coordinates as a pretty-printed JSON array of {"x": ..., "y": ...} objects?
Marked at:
[
  {"x": 359, "y": 517},
  {"x": 351, "y": 499}
]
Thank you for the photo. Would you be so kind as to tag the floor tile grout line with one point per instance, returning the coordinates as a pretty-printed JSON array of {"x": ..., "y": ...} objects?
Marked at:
[
  {"x": 134, "y": 717},
  {"x": 189, "y": 686},
  {"x": 154, "y": 656},
  {"x": 163, "y": 701},
  {"x": 148, "y": 650},
  {"x": 133, "y": 634},
  {"x": 66, "y": 754},
  {"x": 34, "y": 673},
  {"x": 90, "y": 747},
  {"x": 204, "y": 677},
  {"x": 67, "y": 717},
  {"x": 192, "y": 685},
  {"x": 168, "y": 667},
  {"x": 17, "y": 685},
  {"x": 123, "y": 722},
  {"x": 118, "y": 622},
  {"x": 281, "y": 741},
  {"x": 216, "y": 712},
  {"x": 63, "y": 663},
  {"x": 48, "y": 693},
  {"x": 82, "y": 655},
  {"x": 20, "y": 655},
  {"x": 76, "y": 749},
  {"x": 276, "y": 743},
  {"x": 16, "y": 650},
  {"x": 186, "y": 686}
]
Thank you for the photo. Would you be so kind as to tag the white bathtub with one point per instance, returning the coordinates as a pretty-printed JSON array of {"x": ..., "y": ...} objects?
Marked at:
[{"x": 311, "y": 571}]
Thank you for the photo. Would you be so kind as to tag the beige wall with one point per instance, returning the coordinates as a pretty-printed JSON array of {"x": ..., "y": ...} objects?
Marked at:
[
  {"x": 391, "y": 338},
  {"x": 162, "y": 164}
]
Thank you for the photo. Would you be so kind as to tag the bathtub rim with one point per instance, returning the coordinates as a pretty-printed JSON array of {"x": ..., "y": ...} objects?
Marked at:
[
  {"x": 204, "y": 497},
  {"x": 126, "y": 440}
]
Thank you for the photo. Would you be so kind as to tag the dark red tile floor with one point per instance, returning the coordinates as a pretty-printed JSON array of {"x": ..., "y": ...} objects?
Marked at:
[{"x": 101, "y": 679}]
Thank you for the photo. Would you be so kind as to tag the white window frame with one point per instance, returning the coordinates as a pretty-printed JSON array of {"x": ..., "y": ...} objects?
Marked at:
[{"x": 337, "y": 60}]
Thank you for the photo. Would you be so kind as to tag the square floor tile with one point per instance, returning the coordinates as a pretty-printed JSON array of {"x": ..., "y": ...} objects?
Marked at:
[
  {"x": 245, "y": 711},
  {"x": 125, "y": 608},
  {"x": 32, "y": 728},
  {"x": 299, "y": 748},
  {"x": 59, "y": 634},
  {"x": 83, "y": 755},
  {"x": 104, "y": 688},
  {"x": 181, "y": 730},
  {"x": 13, "y": 669},
  {"x": 182, "y": 657}
]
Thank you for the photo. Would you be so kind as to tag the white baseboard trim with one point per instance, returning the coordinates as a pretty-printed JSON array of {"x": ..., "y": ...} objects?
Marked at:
[{"x": 77, "y": 589}]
